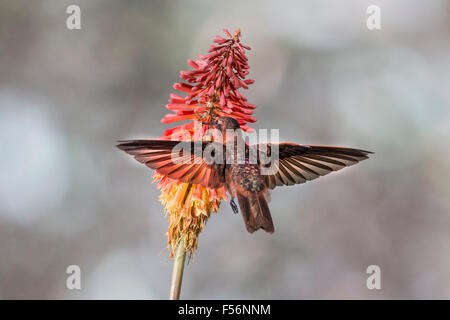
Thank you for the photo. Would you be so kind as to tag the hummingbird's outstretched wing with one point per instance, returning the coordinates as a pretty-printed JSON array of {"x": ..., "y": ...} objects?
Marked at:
[
  {"x": 179, "y": 160},
  {"x": 300, "y": 163}
]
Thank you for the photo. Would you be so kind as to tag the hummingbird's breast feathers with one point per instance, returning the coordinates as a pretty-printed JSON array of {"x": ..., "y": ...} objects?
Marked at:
[{"x": 247, "y": 177}]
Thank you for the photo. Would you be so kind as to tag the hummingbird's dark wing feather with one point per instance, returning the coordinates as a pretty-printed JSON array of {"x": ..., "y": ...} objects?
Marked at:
[
  {"x": 300, "y": 163},
  {"x": 179, "y": 160}
]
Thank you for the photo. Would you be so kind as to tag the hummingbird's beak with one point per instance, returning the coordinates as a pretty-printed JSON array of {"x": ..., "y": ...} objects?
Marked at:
[{"x": 213, "y": 123}]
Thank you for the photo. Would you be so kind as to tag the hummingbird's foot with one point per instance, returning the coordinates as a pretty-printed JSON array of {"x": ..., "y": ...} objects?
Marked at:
[{"x": 234, "y": 206}]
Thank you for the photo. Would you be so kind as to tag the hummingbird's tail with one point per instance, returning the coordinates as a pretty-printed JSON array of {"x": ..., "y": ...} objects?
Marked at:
[{"x": 256, "y": 213}]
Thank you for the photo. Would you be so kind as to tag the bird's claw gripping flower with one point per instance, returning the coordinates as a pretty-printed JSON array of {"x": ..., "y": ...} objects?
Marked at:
[{"x": 211, "y": 90}]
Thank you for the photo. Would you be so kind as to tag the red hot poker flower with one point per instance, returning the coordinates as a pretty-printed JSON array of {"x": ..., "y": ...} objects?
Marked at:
[{"x": 211, "y": 90}]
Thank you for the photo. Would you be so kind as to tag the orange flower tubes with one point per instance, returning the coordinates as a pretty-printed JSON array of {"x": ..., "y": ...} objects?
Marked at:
[{"x": 209, "y": 91}]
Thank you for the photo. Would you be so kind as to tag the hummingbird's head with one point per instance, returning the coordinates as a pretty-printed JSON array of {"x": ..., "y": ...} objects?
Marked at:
[
  {"x": 224, "y": 123},
  {"x": 227, "y": 123},
  {"x": 228, "y": 127}
]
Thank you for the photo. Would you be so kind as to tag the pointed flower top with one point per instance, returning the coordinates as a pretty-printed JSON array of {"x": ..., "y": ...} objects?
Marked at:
[{"x": 212, "y": 88}]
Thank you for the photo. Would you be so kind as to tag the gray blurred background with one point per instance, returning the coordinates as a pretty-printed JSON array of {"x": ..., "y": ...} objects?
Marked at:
[{"x": 68, "y": 196}]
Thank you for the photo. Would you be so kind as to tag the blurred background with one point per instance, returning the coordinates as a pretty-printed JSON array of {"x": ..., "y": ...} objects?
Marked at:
[{"x": 68, "y": 196}]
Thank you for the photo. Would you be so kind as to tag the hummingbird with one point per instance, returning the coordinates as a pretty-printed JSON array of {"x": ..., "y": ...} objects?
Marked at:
[{"x": 246, "y": 177}]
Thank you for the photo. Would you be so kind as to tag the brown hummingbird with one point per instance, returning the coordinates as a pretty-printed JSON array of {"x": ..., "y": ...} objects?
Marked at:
[{"x": 242, "y": 168}]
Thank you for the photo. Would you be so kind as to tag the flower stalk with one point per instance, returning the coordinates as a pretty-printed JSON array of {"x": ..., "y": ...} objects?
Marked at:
[{"x": 177, "y": 271}]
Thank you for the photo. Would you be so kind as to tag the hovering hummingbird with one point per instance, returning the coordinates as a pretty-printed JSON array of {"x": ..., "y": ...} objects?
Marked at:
[{"x": 245, "y": 180}]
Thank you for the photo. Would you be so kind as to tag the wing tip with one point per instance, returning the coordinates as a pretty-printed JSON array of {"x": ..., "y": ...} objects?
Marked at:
[{"x": 124, "y": 145}]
